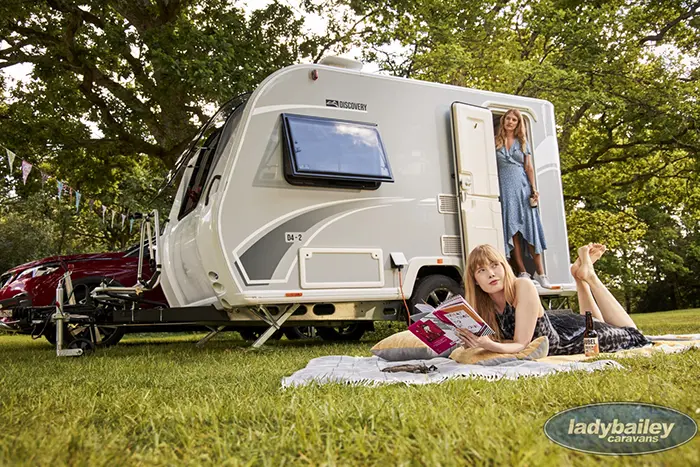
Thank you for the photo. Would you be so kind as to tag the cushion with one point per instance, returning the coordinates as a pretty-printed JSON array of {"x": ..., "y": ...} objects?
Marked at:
[
  {"x": 405, "y": 345},
  {"x": 538, "y": 348}
]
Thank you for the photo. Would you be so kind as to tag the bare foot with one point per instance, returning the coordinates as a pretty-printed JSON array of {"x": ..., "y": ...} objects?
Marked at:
[
  {"x": 585, "y": 271},
  {"x": 595, "y": 251}
]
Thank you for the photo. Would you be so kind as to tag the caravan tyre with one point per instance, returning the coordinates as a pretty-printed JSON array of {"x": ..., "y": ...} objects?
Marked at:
[
  {"x": 252, "y": 333},
  {"x": 351, "y": 332},
  {"x": 434, "y": 290},
  {"x": 300, "y": 332}
]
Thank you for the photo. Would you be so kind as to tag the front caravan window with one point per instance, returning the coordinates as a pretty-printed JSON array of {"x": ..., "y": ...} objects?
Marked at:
[
  {"x": 328, "y": 152},
  {"x": 218, "y": 129}
]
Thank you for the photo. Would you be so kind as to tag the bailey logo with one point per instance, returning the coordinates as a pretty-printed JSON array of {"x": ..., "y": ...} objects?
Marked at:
[
  {"x": 346, "y": 105},
  {"x": 620, "y": 428}
]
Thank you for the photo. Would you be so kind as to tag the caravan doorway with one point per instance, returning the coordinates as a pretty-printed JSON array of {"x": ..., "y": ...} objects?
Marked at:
[{"x": 528, "y": 260}]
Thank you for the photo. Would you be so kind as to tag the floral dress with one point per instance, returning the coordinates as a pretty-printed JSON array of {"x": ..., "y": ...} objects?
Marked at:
[
  {"x": 565, "y": 332},
  {"x": 515, "y": 190}
]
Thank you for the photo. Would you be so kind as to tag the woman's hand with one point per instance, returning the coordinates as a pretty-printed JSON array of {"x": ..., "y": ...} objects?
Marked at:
[
  {"x": 471, "y": 340},
  {"x": 535, "y": 195}
]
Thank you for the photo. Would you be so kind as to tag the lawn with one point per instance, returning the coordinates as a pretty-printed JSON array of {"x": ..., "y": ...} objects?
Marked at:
[{"x": 159, "y": 400}]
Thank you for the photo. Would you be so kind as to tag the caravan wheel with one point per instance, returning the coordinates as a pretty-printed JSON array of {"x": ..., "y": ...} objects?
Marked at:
[
  {"x": 434, "y": 290},
  {"x": 300, "y": 332},
  {"x": 252, "y": 333},
  {"x": 351, "y": 332}
]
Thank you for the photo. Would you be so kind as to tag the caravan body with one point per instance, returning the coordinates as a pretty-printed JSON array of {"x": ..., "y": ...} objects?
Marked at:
[{"x": 339, "y": 188}]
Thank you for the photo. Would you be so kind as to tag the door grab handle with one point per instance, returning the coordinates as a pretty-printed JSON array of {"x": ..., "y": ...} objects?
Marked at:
[{"x": 211, "y": 184}]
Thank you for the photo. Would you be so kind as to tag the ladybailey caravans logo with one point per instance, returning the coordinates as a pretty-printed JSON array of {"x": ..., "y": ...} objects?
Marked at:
[{"x": 620, "y": 428}]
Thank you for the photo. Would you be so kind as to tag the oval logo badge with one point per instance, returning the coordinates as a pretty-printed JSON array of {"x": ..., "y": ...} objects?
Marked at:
[{"x": 620, "y": 428}]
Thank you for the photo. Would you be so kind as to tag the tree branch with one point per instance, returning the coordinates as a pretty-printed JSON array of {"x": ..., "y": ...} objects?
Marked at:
[{"x": 658, "y": 37}]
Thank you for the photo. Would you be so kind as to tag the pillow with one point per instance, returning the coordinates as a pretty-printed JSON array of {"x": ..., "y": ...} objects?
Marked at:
[
  {"x": 538, "y": 348},
  {"x": 405, "y": 345}
]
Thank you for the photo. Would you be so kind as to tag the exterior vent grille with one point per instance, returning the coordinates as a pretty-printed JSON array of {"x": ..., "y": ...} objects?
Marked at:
[
  {"x": 451, "y": 245},
  {"x": 447, "y": 204}
]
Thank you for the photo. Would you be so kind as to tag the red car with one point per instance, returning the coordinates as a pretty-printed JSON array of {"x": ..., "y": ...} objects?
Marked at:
[{"x": 34, "y": 284}]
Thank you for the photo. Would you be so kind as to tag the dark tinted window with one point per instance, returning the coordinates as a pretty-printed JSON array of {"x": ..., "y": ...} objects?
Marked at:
[
  {"x": 5, "y": 279},
  {"x": 208, "y": 151},
  {"x": 202, "y": 165},
  {"x": 329, "y": 150}
]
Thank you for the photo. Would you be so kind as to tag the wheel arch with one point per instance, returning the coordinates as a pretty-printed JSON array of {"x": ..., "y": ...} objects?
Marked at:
[{"x": 453, "y": 272}]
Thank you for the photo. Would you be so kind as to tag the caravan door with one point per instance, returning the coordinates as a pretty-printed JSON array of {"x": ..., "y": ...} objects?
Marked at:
[{"x": 476, "y": 177}]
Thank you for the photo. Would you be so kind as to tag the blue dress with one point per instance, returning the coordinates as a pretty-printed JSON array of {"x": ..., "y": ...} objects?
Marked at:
[{"x": 515, "y": 190}]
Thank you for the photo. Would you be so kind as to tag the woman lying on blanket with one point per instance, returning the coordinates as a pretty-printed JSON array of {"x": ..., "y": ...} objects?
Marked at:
[{"x": 511, "y": 306}]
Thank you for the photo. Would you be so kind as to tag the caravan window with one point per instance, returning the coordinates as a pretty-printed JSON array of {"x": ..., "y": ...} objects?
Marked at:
[
  {"x": 328, "y": 152},
  {"x": 219, "y": 128}
]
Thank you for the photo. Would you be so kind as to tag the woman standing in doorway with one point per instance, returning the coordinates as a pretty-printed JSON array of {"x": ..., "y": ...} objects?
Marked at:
[{"x": 519, "y": 195}]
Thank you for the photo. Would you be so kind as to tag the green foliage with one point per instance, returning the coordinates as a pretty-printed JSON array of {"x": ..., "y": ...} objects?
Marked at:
[
  {"x": 625, "y": 85},
  {"x": 163, "y": 401},
  {"x": 117, "y": 90}
]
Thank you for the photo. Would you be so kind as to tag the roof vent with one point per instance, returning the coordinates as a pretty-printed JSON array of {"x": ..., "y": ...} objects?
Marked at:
[{"x": 341, "y": 62}]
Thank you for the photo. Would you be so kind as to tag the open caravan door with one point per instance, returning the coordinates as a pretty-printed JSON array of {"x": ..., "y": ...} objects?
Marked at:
[{"x": 476, "y": 178}]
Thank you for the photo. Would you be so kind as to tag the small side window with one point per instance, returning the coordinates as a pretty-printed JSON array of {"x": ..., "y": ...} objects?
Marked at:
[
  {"x": 336, "y": 153},
  {"x": 219, "y": 128},
  {"x": 204, "y": 161}
]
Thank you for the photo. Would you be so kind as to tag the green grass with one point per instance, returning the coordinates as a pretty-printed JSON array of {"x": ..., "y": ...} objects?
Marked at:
[{"x": 162, "y": 401}]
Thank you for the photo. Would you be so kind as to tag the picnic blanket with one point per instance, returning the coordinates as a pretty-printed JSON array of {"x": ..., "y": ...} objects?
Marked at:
[{"x": 367, "y": 371}]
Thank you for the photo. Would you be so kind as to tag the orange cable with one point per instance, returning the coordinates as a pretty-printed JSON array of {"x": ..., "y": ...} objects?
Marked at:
[{"x": 408, "y": 310}]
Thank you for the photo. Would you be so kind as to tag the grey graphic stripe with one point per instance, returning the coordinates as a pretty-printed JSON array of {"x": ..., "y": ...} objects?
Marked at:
[{"x": 261, "y": 259}]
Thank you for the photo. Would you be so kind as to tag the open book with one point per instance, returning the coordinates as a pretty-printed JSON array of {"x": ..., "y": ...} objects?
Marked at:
[{"x": 436, "y": 327}]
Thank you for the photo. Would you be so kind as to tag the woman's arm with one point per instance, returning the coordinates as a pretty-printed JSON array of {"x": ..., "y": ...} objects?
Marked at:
[
  {"x": 526, "y": 314},
  {"x": 530, "y": 171}
]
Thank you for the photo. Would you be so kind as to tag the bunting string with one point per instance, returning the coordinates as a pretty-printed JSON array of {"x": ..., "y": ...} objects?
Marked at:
[{"x": 63, "y": 188}]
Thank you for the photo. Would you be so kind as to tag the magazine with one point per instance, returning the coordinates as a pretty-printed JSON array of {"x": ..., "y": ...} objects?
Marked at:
[{"x": 436, "y": 327}]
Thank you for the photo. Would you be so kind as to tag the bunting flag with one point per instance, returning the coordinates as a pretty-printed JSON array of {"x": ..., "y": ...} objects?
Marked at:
[
  {"x": 26, "y": 168},
  {"x": 10, "y": 158},
  {"x": 63, "y": 187}
]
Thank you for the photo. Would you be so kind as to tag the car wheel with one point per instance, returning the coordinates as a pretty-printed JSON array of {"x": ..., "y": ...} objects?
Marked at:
[
  {"x": 350, "y": 332},
  {"x": 433, "y": 290}
]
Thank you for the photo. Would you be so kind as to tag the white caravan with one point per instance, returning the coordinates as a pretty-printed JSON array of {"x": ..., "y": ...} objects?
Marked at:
[{"x": 329, "y": 195}]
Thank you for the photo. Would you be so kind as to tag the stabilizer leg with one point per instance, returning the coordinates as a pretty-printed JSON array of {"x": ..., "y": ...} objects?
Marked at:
[{"x": 275, "y": 325}]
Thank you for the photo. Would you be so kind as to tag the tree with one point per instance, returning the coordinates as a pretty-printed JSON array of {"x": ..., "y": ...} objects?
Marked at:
[
  {"x": 118, "y": 89},
  {"x": 625, "y": 89}
]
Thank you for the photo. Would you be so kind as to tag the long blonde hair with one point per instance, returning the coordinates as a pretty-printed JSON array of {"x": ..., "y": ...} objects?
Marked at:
[
  {"x": 484, "y": 255},
  {"x": 518, "y": 133}
]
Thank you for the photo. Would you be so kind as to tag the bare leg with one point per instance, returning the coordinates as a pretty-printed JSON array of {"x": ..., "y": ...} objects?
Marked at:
[
  {"x": 517, "y": 253},
  {"x": 610, "y": 309},
  {"x": 538, "y": 260},
  {"x": 586, "y": 302}
]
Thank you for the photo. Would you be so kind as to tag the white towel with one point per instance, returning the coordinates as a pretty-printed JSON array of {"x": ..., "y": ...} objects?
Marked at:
[{"x": 367, "y": 371}]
